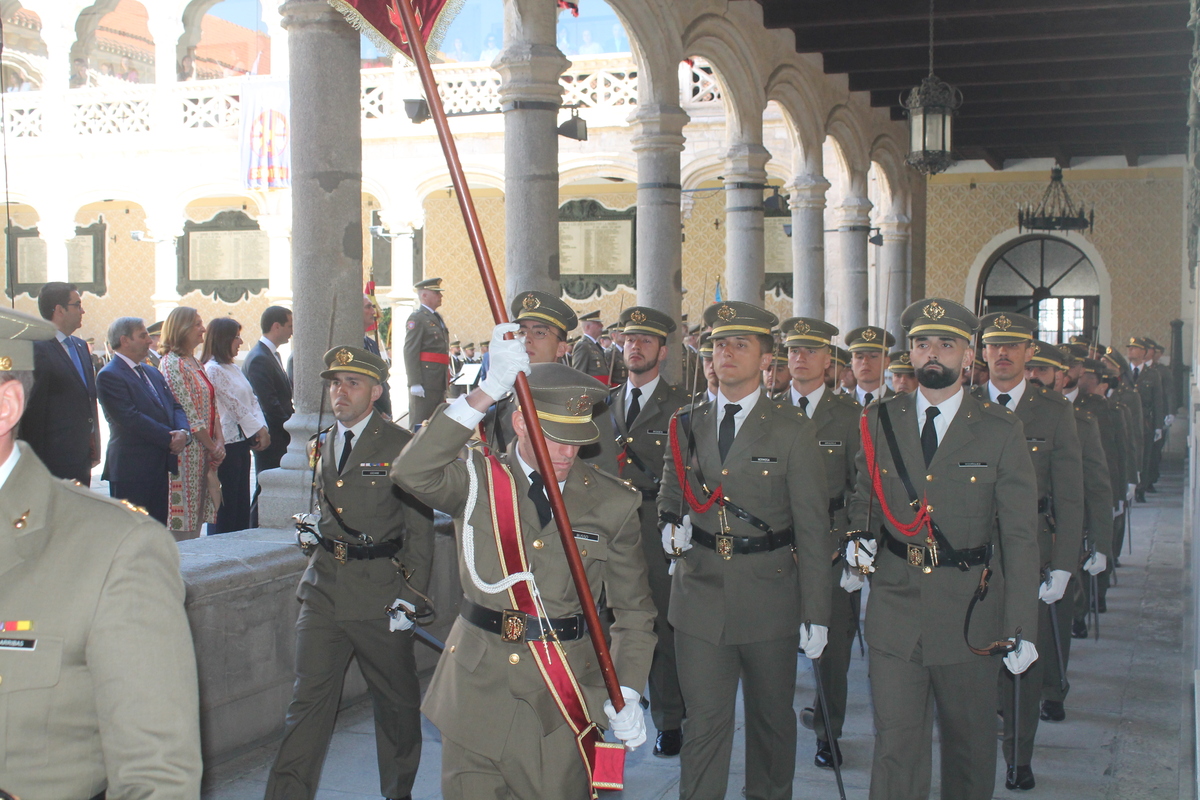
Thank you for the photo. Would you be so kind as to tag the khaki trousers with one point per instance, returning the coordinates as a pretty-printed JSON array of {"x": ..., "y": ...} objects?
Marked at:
[{"x": 666, "y": 700}]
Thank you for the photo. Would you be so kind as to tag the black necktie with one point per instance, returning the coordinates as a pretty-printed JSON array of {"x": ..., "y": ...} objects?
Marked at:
[
  {"x": 537, "y": 493},
  {"x": 634, "y": 407},
  {"x": 1003, "y": 399},
  {"x": 804, "y": 406},
  {"x": 867, "y": 398},
  {"x": 1136, "y": 370},
  {"x": 347, "y": 446},
  {"x": 929, "y": 440},
  {"x": 726, "y": 431}
]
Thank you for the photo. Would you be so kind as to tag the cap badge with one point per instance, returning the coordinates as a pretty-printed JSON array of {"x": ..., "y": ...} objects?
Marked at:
[
  {"x": 726, "y": 313},
  {"x": 5, "y": 363},
  {"x": 578, "y": 406},
  {"x": 868, "y": 335},
  {"x": 801, "y": 327},
  {"x": 904, "y": 359},
  {"x": 1132, "y": 341},
  {"x": 343, "y": 357},
  {"x": 934, "y": 310},
  {"x": 530, "y": 302},
  {"x": 1003, "y": 322},
  {"x": 638, "y": 317},
  {"x": 1037, "y": 348}
]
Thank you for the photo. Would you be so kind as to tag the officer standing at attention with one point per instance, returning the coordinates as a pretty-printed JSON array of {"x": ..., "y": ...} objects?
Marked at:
[
  {"x": 904, "y": 378},
  {"x": 95, "y": 651},
  {"x": 835, "y": 418},
  {"x": 371, "y": 545},
  {"x": 968, "y": 460},
  {"x": 503, "y": 733},
  {"x": 1148, "y": 382},
  {"x": 588, "y": 356},
  {"x": 426, "y": 353},
  {"x": 1053, "y": 443},
  {"x": 754, "y": 548},
  {"x": 640, "y": 412},
  {"x": 868, "y": 359}
]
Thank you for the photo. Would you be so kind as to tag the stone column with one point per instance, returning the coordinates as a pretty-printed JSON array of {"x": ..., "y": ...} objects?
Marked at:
[
  {"x": 530, "y": 95},
  {"x": 165, "y": 28},
  {"x": 745, "y": 176},
  {"x": 55, "y": 228},
  {"x": 658, "y": 143},
  {"x": 854, "y": 226},
  {"x": 326, "y": 227},
  {"x": 807, "y": 202},
  {"x": 401, "y": 298},
  {"x": 278, "y": 228},
  {"x": 893, "y": 272},
  {"x": 162, "y": 233}
]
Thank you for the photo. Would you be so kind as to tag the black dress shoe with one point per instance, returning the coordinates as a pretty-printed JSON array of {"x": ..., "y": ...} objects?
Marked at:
[
  {"x": 824, "y": 756},
  {"x": 668, "y": 743},
  {"x": 1102, "y": 606},
  {"x": 1019, "y": 778},
  {"x": 1079, "y": 629},
  {"x": 1053, "y": 711},
  {"x": 1139, "y": 495}
]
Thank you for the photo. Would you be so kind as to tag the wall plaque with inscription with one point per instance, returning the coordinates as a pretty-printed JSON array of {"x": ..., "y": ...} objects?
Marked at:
[
  {"x": 28, "y": 254},
  {"x": 227, "y": 257},
  {"x": 596, "y": 247}
]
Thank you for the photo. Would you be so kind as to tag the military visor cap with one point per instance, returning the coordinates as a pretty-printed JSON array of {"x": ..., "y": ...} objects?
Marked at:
[
  {"x": 980, "y": 363},
  {"x": 1046, "y": 355},
  {"x": 807, "y": 332},
  {"x": 1094, "y": 366},
  {"x": 432, "y": 284},
  {"x": 591, "y": 316},
  {"x": 564, "y": 398},
  {"x": 1115, "y": 358},
  {"x": 1139, "y": 341},
  {"x": 841, "y": 356},
  {"x": 357, "y": 360},
  {"x": 735, "y": 318},
  {"x": 18, "y": 332},
  {"x": 1007, "y": 327},
  {"x": 155, "y": 328},
  {"x": 780, "y": 358},
  {"x": 939, "y": 316},
  {"x": 640, "y": 319},
  {"x": 869, "y": 337},
  {"x": 900, "y": 363},
  {"x": 543, "y": 307},
  {"x": 706, "y": 348}
]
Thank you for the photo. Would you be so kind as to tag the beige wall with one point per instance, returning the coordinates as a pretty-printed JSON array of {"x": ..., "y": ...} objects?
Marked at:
[{"x": 1138, "y": 233}]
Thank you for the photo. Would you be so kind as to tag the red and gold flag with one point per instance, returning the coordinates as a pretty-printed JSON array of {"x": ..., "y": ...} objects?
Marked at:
[{"x": 379, "y": 21}]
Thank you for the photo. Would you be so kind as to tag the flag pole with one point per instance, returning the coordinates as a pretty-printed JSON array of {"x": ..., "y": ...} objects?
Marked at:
[{"x": 500, "y": 314}]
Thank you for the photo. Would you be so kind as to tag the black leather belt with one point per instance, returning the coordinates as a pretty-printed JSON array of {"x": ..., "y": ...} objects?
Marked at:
[
  {"x": 742, "y": 545},
  {"x": 649, "y": 494},
  {"x": 344, "y": 551},
  {"x": 517, "y": 626},
  {"x": 918, "y": 555},
  {"x": 837, "y": 504}
]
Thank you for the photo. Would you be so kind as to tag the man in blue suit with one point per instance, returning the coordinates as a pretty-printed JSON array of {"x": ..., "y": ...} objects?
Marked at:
[
  {"x": 147, "y": 426},
  {"x": 60, "y": 417}
]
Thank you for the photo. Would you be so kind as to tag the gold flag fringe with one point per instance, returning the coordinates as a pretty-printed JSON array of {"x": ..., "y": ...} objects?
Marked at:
[{"x": 385, "y": 45}]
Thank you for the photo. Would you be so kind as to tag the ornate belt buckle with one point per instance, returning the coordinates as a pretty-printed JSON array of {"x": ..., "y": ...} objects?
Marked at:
[
  {"x": 512, "y": 626},
  {"x": 725, "y": 547},
  {"x": 340, "y": 552},
  {"x": 916, "y": 555}
]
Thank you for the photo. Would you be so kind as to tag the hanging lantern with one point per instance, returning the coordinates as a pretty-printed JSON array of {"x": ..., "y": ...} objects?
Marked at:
[{"x": 931, "y": 108}]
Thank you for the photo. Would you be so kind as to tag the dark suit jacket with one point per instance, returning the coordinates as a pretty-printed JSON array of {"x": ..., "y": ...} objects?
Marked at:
[
  {"x": 60, "y": 415},
  {"x": 140, "y": 425},
  {"x": 271, "y": 386},
  {"x": 384, "y": 404}
]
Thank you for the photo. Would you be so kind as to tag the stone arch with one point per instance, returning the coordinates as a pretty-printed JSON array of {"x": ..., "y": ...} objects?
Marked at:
[
  {"x": 724, "y": 46},
  {"x": 428, "y": 183},
  {"x": 658, "y": 74},
  {"x": 706, "y": 167},
  {"x": 792, "y": 90},
  {"x": 886, "y": 153},
  {"x": 25, "y": 50},
  {"x": 590, "y": 166},
  {"x": 127, "y": 52},
  {"x": 845, "y": 128}
]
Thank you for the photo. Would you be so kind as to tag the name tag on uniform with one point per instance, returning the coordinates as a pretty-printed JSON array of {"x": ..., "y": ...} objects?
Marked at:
[
  {"x": 764, "y": 460},
  {"x": 1034, "y": 440},
  {"x": 374, "y": 473},
  {"x": 657, "y": 433},
  {"x": 829, "y": 443},
  {"x": 972, "y": 464},
  {"x": 587, "y": 537},
  {"x": 19, "y": 645}
]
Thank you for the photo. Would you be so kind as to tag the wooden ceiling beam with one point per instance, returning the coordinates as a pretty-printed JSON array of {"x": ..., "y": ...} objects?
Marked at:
[
  {"x": 840, "y": 13},
  {"x": 1114, "y": 136},
  {"x": 1144, "y": 66},
  {"x": 1168, "y": 117},
  {"x": 1062, "y": 90}
]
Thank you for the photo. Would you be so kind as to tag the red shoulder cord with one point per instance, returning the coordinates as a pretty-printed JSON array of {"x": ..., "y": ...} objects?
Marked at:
[
  {"x": 688, "y": 495},
  {"x": 922, "y": 521}
]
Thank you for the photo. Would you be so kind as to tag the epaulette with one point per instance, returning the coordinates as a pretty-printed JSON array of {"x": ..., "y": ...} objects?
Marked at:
[
  {"x": 999, "y": 411},
  {"x": 624, "y": 484}
]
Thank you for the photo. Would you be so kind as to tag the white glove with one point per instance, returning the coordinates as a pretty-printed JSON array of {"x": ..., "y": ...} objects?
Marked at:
[
  {"x": 508, "y": 359},
  {"x": 1157, "y": 434},
  {"x": 1019, "y": 660},
  {"x": 1120, "y": 509},
  {"x": 860, "y": 554},
  {"x": 852, "y": 580},
  {"x": 1096, "y": 563},
  {"x": 417, "y": 391},
  {"x": 813, "y": 639},
  {"x": 677, "y": 538},
  {"x": 397, "y": 619},
  {"x": 1169, "y": 421},
  {"x": 1053, "y": 591},
  {"x": 307, "y": 521},
  {"x": 629, "y": 725},
  {"x": 1130, "y": 488}
]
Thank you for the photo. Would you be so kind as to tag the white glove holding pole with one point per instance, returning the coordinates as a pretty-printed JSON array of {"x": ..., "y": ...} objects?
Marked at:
[
  {"x": 860, "y": 554},
  {"x": 397, "y": 619},
  {"x": 1157, "y": 434},
  {"x": 1169, "y": 420},
  {"x": 677, "y": 539},
  {"x": 1052, "y": 591},
  {"x": 1130, "y": 490},
  {"x": 1120, "y": 509},
  {"x": 629, "y": 725},
  {"x": 852, "y": 580},
  {"x": 1096, "y": 563},
  {"x": 813, "y": 639},
  {"x": 417, "y": 391},
  {"x": 1020, "y": 659},
  {"x": 508, "y": 359}
]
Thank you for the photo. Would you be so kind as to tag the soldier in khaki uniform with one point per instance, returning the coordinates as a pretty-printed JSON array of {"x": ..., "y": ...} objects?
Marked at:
[
  {"x": 98, "y": 691},
  {"x": 503, "y": 735},
  {"x": 1148, "y": 382},
  {"x": 426, "y": 353},
  {"x": 1126, "y": 397},
  {"x": 868, "y": 359},
  {"x": 372, "y": 544},
  {"x": 835, "y": 419},
  {"x": 588, "y": 356},
  {"x": 1053, "y": 442},
  {"x": 617, "y": 368},
  {"x": 904, "y": 377},
  {"x": 1154, "y": 351},
  {"x": 753, "y": 567},
  {"x": 640, "y": 412},
  {"x": 968, "y": 460}
]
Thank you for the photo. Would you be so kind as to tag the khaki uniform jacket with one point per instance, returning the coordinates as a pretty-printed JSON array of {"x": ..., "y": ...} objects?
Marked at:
[
  {"x": 1111, "y": 424},
  {"x": 1053, "y": 441},
  {"x": 588, "y": 357},
  {"x": 426, "y": 333},
  {"x": 106, "y": 695},
  {"x": 477, "y": 686},
  {"x": 368, "y": 501},
  {"x": 769, "y": 471},
  {"x": 981, "y": 487},
  {"x": 1150, "y": 388},
  {"x": 648, "y": 436},
  {"x": 1130, "y": 400},
  {"x": 1097, "y": 493},
  {"x": 838, "y": 440},
  {"x": 1167, "y": 379},
  {"x": 616, "y": 365}
]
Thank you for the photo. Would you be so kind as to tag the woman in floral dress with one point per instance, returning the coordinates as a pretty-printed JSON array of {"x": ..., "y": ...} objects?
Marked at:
[{"x": 190, "y": 502}]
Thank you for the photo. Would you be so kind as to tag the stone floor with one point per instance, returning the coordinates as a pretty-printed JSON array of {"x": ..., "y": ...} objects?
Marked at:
[{"x": 1128, "y": 732}]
